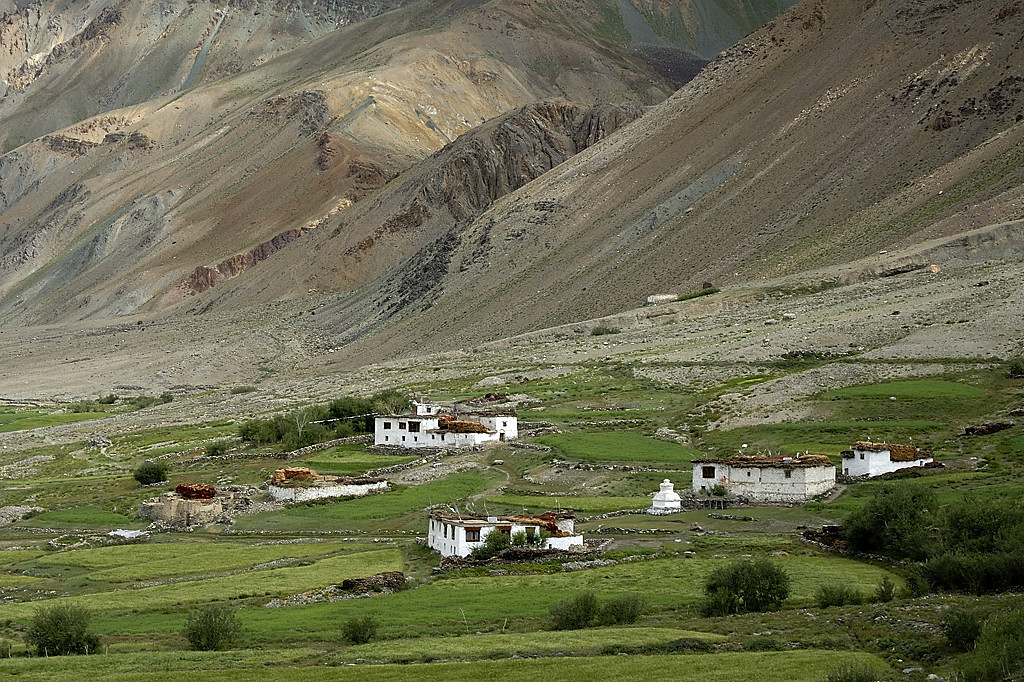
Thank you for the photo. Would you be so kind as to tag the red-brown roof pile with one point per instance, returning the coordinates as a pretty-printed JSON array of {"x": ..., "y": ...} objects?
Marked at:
[
  {"x": 447, "y": 422},
  {"x": 196, "y": 491}
]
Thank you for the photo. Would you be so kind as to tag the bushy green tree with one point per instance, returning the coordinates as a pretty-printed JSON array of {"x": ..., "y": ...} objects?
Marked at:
[
  {"x": 360, "y": 630},
  {"x": 150, "y": 472},
  {"x": 574, "y": 613},
  {"x": 61, "y": 630},
  {"x": 212, "y": 627},
  {"x": 962, "y": 627},
  {"x": 745, "y": 585},
  {"x": 893, "y": 522},
  {"x": 622, "y": 610}
]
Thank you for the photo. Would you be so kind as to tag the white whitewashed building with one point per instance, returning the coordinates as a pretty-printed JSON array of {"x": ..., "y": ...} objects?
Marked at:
[
  {"x": 431, "y": 426},
  {"x": 455, "y": 535},
  {"x": 767, "y": 479},
  {"x": 873, "y": 459},
  {"x": 666, "y": 500}
]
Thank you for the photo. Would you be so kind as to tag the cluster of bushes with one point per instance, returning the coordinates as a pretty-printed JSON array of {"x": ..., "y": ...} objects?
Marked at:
[
  {"x": 138, "y": 402},
  {"x": 340, "y": 418},
  {"x": 746, "y": 585},
  {"x": 966, "y": 546},
  {"x": 841, "y": 594},
  {"x": 583, "y": 610}
]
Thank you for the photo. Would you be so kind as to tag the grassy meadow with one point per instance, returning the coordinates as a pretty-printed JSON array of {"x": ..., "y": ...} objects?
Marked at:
[{"x": 278, "y": 567}]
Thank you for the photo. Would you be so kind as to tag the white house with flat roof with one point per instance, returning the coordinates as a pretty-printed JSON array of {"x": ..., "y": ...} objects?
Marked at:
[
  {"x": 873, "y": 459},
  {"x": 432, "y": 426},
  {"x": 456, "y": 535},
  {"x": 782, "y": 478}
]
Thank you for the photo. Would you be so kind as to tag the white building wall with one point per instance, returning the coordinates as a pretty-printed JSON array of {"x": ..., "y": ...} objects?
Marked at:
[
  {"x": 565, "y": 543},
  {"x": 449, "y": 539},
  {"x": 768, "y": 484},
  {"x": 871, "y": 463},
  {"x": 395, "y": 430},
  {"x": 506, "y": 427},
  {"x": 316, "y": 492}
]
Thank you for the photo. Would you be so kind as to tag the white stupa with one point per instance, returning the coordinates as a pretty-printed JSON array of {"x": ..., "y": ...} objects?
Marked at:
[{"x": 666, "y": 500}]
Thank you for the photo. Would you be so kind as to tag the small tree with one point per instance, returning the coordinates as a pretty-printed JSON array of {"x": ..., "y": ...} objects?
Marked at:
[
  {"x": 886, "y": 590},
  {"x": 575, "y": 612},
  {"x": 212, "y": 628},
  {"x": 999, "y": 651},
  {"x": 360, "y": 630},
  {"x": 149, "y": 473},
  {"x": 61, "y": 630}
]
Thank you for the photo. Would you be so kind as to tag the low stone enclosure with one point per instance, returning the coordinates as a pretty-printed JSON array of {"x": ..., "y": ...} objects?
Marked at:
[{"x": 301, "y": 484}]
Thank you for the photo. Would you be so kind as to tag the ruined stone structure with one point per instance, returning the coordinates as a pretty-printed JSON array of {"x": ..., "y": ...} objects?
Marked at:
[
  {"x": 299, "y": 484},
  {"x": 183, "y": 513}
]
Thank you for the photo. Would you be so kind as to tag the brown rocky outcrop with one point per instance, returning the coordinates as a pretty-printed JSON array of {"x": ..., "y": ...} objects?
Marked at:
[{"x": 205, "y": 277}]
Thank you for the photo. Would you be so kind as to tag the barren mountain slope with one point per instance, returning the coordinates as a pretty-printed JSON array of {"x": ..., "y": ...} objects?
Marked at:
[
  {"x": 840, "y": 129},
  {"x": 135, "y": 209}
]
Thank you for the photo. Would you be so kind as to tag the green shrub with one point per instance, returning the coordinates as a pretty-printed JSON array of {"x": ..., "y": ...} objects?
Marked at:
[
  {"x": 837, "y": 594},
  {"x": 742, "y": 586},
  {"x": 5, "y": 648},
  {"x": 237, "y": 390},
  {"x": 496, "y": 541},
  {"x": 217, "y": 449},
  {"x": 962, "y": 627},
  {"x": 622, "y": 610},
  {"x": 575, "y": 612},
  {"x": 360, "y": 630},
  {"x": 150, "y": 472},
  {"x": 108, "y": 399},
  {"x": 852, "y": 672},
  {"x": 1015, "y": 368},
  {"x": 212, "y": 628},
  {"x": 999, "y": 651},
  {"x": 61, "y": 630},
  {"x": 886, "y": 590},
  {"x": 602, "y": 330}
]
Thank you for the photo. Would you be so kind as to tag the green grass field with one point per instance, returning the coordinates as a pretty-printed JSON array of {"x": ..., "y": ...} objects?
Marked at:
[{"x": 620, "y": 447}]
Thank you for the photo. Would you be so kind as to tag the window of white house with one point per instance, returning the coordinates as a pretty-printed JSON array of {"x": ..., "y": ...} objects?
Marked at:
[
  {"x": 414, "y": 427},
  {"x": 707, "y": 472},
  {"x": 504, "y": 423},
  {"x": 789, "y": 473},
  {"x": 401, "y": 425},
  {"x": 472, "y": 535},
  {"x": 862, "y": 455}
]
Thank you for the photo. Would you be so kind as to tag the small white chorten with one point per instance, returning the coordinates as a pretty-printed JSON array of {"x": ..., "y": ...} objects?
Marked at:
[{"x": 666, "y": 500}]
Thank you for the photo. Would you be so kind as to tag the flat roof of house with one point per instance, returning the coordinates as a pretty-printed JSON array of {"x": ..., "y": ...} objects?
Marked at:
[
  {"x": 897, "y": 452},
  {"x": 777, "y": 461}
]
